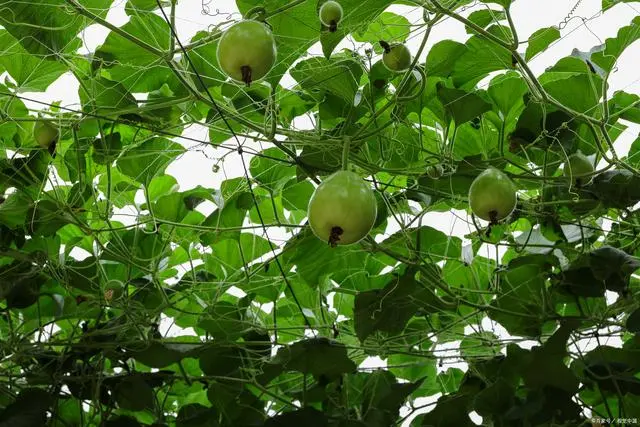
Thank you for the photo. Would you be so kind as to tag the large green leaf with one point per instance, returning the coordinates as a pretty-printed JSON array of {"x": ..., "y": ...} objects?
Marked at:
[
  {"x": 614, "y": 47},
  {"x": 31, "y": 73},
  {"x": 540, "y": 41},
  {"x": 104, "y": 97},
  {"x": 316, "y": 356},
  {"x": 460, "y": 105},
  {"x": 137, "y": 69},
  {"x": 387, "y": 27},
  {"x": 149, "y": 159},
  {"x": 480, "y": 58},
  {"x": 339, "y": 75},
  {"x": 48, "y": 27}
]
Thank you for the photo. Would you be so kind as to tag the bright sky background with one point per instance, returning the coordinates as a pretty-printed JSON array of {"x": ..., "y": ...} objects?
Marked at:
[{"x": 587, "y": 29}]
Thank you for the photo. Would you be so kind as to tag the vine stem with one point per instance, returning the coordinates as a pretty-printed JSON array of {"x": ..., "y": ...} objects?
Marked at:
[{"x": 172, "y": 39}]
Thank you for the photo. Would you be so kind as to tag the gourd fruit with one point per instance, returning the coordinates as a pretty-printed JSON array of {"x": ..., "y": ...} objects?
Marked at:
[
  {"x": 330, "y": 14},
  {"x": 113, "y": 290},
  {"x": 579, "y": 168},
  {"x": 435, "y": 171},
  {"x": 45, "y": 134},
  {"x": 492, "y": 195},
  {"x": 247, "y": 51},
  {"x": 342, "y": 209},
  {"x": 396, "y": 57}
]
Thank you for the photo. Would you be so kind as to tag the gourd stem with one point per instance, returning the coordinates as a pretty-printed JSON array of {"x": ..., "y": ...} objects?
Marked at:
[
  {"x": 345, "y": 151},
  {"x": 384, "y": 45},
  {"x": 257, "y": 13}
]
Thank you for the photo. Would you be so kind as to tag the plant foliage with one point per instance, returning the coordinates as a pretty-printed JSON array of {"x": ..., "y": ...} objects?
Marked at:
[{"x": 127, "y": 299}]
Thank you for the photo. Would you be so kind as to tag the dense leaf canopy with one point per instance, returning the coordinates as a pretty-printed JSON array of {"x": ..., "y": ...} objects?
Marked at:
[{"x": 129, "y": 298}]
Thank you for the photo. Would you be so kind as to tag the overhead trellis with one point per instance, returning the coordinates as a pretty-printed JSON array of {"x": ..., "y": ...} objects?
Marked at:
[{"x": 129, "y": 297}]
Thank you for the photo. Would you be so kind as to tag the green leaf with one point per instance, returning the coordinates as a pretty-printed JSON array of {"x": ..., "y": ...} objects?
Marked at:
[
  {"x": 171, "y": 207},
  {"x": 25, "y": 173},
  {"x": 546, "y": 366},
  {"x": 614, "y": 47},
  {"x": 480, "y": 345},
  {"x": 316, "y": 356},
  {"x": 270, "y": 169},
  {"x": 296, "y": 195},
  {"x": 45, "y": 218},
  {"x": 12, "y": 133},
  {"x": 29, "y": 409},
  {"x": 162, "y": 354},
  {"x": 480, "y": 58},
  {"x": 572, "y": 83},
  {"x": 494, "y": 400},
  {"x": 413, "y": 368},
  {"x": 137, "y": 69},
  {"x": 339, "y": 263},
  {"x": 221, "y": 361},
  {"x": 507, "y": 92},
  {"x": 339, "y": 75},
  {"x": 442, "y": 57},
  {"x": 462, "y": 106},
  {"x": 484, "y": 17},
  {"x": 633, "y": 322},
  {"x": 48, "y": 27},
  {"x": 230, "y": 216},
  {"x": 608, "y": 4},
  {"x": 14, "y": 209},
  {"x": 448, "y": 411},
  {"x": 205, "y": 59},
  {"x": 433, "y": 243},
  {"x": 195, "y": 415},
  {"x": 231, "y": 254},
  {"x": 148, "y": 159},
  {"x": 104, "y": 97},
  {"x": 522, "y": 291},
  {"x": 605, "y": 268},
  {"x": 388, "y": 310},
  {"x": 223, "y": 321},
  {"x": 161, "y": 185},
  {"x": 617, "y": 188},
  {"x": 20, "y": 284},
  {"x": 383, "y": 396},
  {"x": 134, "y": 393},
  {"x": 622, "y": 103},
  {"x": 387, "y": 27},
  {"x": 540, "y": 41},
  {"x": 31, "y": 73},
  {"x": 134, "y": 7},
  {"x": 105, "y": 152}
]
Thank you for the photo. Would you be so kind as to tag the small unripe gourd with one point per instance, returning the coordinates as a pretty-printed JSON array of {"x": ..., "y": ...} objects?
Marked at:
[
  {"x": 342, "y": 210},
  {"x": 330, "y": 14},
  {"x": 247, "y": 51},
  {"x": 45, "y": 134},
  {"x": 435, "y": 171},
  {"x": 492, "y": 195},
  {"x": 579, "y": 168},
  {"x": 396, "y": 57}
]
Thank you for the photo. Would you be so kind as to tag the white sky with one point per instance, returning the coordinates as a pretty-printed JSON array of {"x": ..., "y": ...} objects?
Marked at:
[{"x": 194, "y": 168}]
